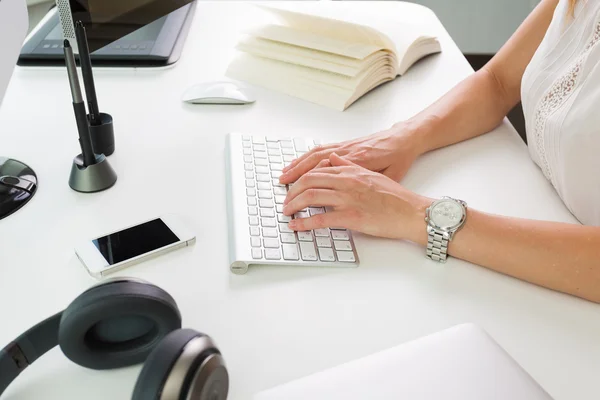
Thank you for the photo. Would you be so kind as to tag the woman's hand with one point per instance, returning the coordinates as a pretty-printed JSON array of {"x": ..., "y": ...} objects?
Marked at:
[
  {"x": 390, "y": 152},
  {"x": 358, "y": 199}
]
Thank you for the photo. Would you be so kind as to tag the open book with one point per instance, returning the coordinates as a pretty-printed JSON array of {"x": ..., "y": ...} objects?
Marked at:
[{"x": 326, "y": 56}]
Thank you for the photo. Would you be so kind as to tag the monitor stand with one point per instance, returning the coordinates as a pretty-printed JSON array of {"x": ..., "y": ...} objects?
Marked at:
[{"x": 18, "y": 184}]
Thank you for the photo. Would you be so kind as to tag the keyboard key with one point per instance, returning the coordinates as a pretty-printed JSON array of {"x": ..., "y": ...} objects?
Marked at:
[
  {"x": 272, "y": 145},
  {"x": 301, "y": 144},
  {"x": 264, "y": 194},
  {"x": 250, "y": 192},
  {"x": 261, "y": 162},
  {"x": 340, "y": 235},
  {"x": 276, "y": 183},
  {"x": 305, "y": 236},
  {"x": 272, "y": 243},
  {"x": 275, "y": 159},
  {"x": 324, "y": 242},
  {"x": 247, "y": 152},
  {"x": 250, "y": 183},
  {"x": 318, "y": 142},
  {"x": 283, "y": 218},
  {"x": 248, "y": 167},
  {"x": 280, "y": 190},
  {"x": 262, "y": 170},
  {"x": 252, "y": 211},
  {"x": 254, "y": 241},
  {"x": 276, "y": 167},
  {"x": 316, "y": 210},
  {"x": 249, "y": 175},
  {"x": 272, "y": 139},
  {"x": 346, "y": 256},
  {"x": 308, "y": 251},
  {"x": 273, "y": 153},
  {"x": 288, "y": 238},
  {"x": 286, "y": 144},
  {"x": 284, "y": 228},
  {"x": 267, "y": 212},
  {"x": 337, "y": 229},
  {"x": 323, "y": 232},
  {"x": 286, "y": 152},
  {"x": 246, "y": 138},
  {"x": 290, "y": 252},
  {"x": 253, "y": 220},
  {"x": 259, "y": 147},
  {"x": 301, "y": 214},
  {"x": 272, "y": 254},
  {"x": 268, "y": 222},
  {"x": 288, "y": 158},
  {"x": 256, "y": 254},
  {"x": 251, "y": 201},
  {"x": 326, "y": 254},
  {"x": 258, "y": 139},
  {"x": 248, "y": 159},
  {"x": 246, "y": 145},
  {"x": 266, "y": 203},
  {"x": 279, "y": 208},
  {"x": 270, "y": 232},
  {"x": 279, "y": 199},
  {"x": 276, "y": 174},
  {"x": 254, "y": 231},
  {"x": 263, "y": 185},
  {"x": 263, "y": 178},
  {"x": 342, "y": 245},
  {"x": 260, "y": 154}
]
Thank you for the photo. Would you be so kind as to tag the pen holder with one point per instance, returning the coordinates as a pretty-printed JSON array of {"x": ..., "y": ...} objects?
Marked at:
[
  {"x": 103, "y": 135},
  {"x": 93, "y": 178}
]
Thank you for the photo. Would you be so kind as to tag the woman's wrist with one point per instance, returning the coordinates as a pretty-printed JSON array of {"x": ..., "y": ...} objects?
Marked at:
[{"x": 416, "y": 133}]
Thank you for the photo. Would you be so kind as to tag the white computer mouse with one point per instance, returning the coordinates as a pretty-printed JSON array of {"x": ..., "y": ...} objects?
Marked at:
[{"x": 219, "y": 92}]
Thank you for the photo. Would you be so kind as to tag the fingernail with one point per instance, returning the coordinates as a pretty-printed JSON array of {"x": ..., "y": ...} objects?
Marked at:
[
  {"x": 285, "y": 169},
  {"x": 285, "y": 202},
  {"x": 292, "y": 224}
]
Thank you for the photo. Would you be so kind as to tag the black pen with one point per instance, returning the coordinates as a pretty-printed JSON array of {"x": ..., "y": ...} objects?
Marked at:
[
  {"x": 88, "y": 76},
  {"x": 85, "y": 140}
]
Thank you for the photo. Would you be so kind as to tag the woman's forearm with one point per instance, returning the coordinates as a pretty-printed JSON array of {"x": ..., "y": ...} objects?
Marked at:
[
  {"x": 473, "y": 107},
  {"x": 479, "y": 103},
  {"x": 563, "y": 257}
]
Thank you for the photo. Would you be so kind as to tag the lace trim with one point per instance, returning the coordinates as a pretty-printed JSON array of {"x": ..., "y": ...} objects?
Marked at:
[{"x": 561, "y": 88}]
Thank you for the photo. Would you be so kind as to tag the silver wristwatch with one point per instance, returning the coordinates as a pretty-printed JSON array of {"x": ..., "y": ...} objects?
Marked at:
[{"x": 444, "y": 218}]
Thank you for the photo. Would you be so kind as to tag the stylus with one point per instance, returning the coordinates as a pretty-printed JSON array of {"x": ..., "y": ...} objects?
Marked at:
[
  {"x": 88, "y": 75},
  {"x": 85, "y": 140}
]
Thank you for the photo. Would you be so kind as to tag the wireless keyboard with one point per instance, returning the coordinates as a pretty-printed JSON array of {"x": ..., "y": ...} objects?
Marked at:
[{"x": 258, "y": 230}]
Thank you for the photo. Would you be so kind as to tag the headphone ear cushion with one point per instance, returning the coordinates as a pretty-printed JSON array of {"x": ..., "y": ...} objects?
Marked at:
[
  {"x": 117, "y": 324},
  {"x": 157, "y": 367}
]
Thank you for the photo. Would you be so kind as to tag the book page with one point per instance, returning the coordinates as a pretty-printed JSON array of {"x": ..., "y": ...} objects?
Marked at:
[
  {"x": 395, "y": 32},
  {"x": 297, "y": 37},
  {"x": 329, "y": 26}
]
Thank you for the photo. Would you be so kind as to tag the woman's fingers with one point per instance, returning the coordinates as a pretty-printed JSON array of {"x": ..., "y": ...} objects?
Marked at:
[
  {"x": 327, "y": 220},
  {"x": 303, "y": 164},
  {"x": 312, "y": 197},
  {"x": 325, "y": 178},
  {"x": 337, "y": 161}
]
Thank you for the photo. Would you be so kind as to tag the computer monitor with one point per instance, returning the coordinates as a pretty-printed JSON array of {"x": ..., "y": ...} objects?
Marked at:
[
  {"x": 106, "y": 21},
  {"x": 18, "y": 182}
]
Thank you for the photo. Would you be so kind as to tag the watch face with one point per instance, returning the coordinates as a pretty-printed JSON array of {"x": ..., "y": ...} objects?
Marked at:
[{"x": 446, "y": 214}]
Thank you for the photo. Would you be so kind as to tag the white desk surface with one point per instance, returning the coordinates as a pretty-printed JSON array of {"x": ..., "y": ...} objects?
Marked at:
[{"x": 273, "y": 325}]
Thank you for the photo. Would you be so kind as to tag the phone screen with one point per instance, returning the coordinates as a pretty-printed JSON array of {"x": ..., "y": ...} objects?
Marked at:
[{"x": 135, "y": 241}]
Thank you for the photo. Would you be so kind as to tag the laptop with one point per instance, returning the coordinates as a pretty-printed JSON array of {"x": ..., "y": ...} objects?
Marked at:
[{"x": 461, "y": 363}]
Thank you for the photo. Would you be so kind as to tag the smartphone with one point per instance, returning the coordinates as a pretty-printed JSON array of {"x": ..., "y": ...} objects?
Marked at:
[{"x": 118, "y": 250}]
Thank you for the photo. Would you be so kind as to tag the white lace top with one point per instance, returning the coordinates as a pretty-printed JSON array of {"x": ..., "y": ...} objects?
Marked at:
[{"x": 561, "y": 101}]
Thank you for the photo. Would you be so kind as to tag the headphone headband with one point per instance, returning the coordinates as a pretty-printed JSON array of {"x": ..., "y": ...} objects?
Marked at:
[{"x": 27, "y": 348}]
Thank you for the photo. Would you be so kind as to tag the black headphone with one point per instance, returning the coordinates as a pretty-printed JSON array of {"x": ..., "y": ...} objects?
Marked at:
[{"x": 120, "y": 323}]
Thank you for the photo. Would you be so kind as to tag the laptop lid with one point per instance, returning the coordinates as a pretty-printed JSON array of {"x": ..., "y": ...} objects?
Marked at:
[{"x": 461, "y": 363}]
